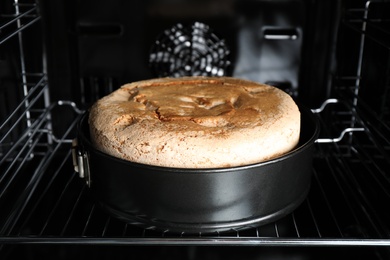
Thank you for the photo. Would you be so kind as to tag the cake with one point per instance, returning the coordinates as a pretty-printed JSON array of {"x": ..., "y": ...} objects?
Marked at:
[{"x": 195, "y": 122}]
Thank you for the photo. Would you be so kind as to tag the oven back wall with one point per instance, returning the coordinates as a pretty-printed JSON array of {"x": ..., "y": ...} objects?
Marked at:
[{"x": 96, "y": 46}]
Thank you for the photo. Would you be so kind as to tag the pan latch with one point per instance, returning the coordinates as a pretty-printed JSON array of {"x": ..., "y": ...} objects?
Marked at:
[{"x": 81, "y": 162}]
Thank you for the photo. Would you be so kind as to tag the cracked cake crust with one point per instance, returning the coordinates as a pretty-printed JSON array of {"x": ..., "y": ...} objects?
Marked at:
[{"x": 195, "y": 122}]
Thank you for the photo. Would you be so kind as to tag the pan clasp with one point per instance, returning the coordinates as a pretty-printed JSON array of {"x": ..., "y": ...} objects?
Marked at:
[{"x": 81, "y": 162}]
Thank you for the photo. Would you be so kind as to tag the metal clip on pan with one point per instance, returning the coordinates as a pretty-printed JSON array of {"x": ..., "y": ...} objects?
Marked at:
[
  {"x": 81, "y": 162},
  {"x": 342, "y": 134}
]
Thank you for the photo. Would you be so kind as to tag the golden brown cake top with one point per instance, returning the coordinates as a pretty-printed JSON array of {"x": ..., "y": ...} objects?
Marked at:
[
  {"x": 210, "y": 102},
  {"x": 195, "y": 122}
]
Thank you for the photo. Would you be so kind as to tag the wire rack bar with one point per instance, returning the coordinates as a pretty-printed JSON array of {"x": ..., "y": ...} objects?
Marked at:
[
  {"x": 20, "y": 29},
  {"x": 215, "y": 241},
  {"x": 371, "y": 28},
  {"x": 34, "y": 93},
  {"x": 26, "y": 194},
  {"x": 328, "y": 205},
  {"x": 17, "y": 17}
]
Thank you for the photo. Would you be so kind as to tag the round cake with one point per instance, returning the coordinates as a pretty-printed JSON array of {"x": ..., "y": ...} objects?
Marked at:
[{"x": 195, "y": 122}]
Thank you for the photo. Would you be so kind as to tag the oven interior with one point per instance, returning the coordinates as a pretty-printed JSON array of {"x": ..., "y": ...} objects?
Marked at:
[{"x": 58, "y": 57}]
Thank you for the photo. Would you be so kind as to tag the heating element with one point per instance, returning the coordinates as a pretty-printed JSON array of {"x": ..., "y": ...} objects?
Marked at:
[{"x": 43, "y": 200}]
